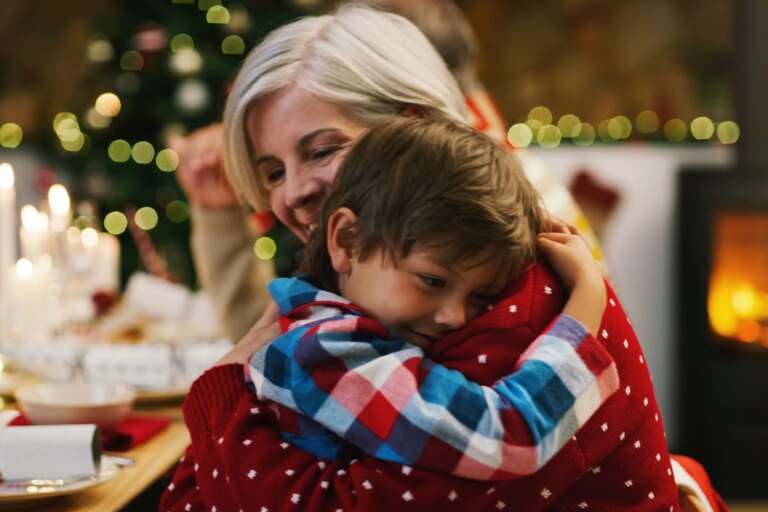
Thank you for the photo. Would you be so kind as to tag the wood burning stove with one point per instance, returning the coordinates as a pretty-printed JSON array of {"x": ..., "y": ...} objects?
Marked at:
[{"x": 723, "y": 327}]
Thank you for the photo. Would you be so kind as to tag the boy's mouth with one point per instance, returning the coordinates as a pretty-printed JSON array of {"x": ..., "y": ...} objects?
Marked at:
[{"x": 420, "y": 339}]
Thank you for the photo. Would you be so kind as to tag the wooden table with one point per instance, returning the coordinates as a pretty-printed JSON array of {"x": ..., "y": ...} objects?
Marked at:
[{"x": 152, "y": 459}]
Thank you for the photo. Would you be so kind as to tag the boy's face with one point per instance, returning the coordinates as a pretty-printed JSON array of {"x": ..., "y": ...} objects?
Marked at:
[{"x": 420, "y": 298}]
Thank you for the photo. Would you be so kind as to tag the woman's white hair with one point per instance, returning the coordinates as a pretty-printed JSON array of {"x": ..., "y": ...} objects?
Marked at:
[{"x": 370, "y": 63}]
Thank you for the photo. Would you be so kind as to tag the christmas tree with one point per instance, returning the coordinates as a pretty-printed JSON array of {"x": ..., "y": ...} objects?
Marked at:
[{"x": 153, "y": 69}]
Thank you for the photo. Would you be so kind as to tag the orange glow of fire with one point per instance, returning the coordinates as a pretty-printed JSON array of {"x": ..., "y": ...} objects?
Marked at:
[{"x": 738, "y": 287}]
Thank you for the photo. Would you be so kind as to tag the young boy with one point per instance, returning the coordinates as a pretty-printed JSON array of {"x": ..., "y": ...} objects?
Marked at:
[{"x": 427, "y": 224}]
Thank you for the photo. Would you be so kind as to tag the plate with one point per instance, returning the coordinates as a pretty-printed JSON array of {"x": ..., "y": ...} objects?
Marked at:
[
  {"x": 11, "y": 380},
  {"x": 19, "y": 494}
]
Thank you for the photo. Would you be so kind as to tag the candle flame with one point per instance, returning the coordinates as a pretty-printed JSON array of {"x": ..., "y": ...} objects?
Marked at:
[
  {"x": 89, "y": 237},
  {"x": 58, "y": 198},
  {"x": 6, "y": 176},
  {"x": 32, "y": 220},
  {"x": 24, "y": 268}
]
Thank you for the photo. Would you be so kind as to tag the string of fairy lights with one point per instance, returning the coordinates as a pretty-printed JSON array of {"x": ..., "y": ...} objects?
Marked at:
[{"x": 539, "y": 128}]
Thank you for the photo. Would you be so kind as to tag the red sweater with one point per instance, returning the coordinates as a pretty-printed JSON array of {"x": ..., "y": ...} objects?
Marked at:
[{"x": 617, "y": 462}]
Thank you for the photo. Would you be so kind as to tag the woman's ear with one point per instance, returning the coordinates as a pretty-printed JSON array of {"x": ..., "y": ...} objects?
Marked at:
[{"x": 340, "y": 224}]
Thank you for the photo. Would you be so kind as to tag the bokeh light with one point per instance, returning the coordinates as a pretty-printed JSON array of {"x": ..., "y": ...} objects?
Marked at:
[
  {"x": 128, "y": 83},
  {"x": 603, "y": 132},
  {"x": 520, "y": 135},
  {"x": 108, "y": 104},
  {"x": 549, "y": 136},
  {"x": 265, "y": 248},
  {"x": 186, "y": 62},
  {"x": 675, "y": 130},
  {"x": 540, "y": 113},
  {"x": 65, "y": 122},
  {"x": 728, "y": 132},
  {"x": 95, "y": 120},
  {"x": 10, "y": 135},
  {"x": 80, "y": 143},
  {"x": 99, "y": 49},
  {"x": 218, "y": 15},
  {"x": 119, "y": 150},
  {"x": 115, "y": 223},
  {"x": 647, "y": 121},
  {"x": 182, "y": 42},
  {"x": 205, "y": 5},
  {"x": 586, "y": 135},
  {"x": 131, "y": 61},
  {"x": 146, "y": 218},
  {"x": 167, "y": 160},
  {"x": 239, "y": 19},
  {"x": 619, "y": 127},
  {"x": 569, "y": 125},
  {"x": 192, "y": 95},
  {"x": 142, "y": 152},
  {"x": 177, "y": 211},
  {"x": 233, "y": 45},
  {"x": 702, "y": 128}
]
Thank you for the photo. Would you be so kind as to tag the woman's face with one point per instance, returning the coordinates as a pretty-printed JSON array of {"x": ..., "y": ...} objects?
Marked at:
[{"x": 299, "y": 142}]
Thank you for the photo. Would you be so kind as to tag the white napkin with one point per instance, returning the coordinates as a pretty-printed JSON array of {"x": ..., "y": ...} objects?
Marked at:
[
  {"x": 49, "y": 452},
  {"x": 144, "y": 366},
  {"x": 157, "y": 298}
]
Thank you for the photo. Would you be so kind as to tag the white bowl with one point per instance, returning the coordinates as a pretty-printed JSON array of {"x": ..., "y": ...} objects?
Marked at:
[{"x": 82, "y": 402}]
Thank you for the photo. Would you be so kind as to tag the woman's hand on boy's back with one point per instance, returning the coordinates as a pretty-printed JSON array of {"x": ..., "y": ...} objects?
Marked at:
[
  {"x": 580, "y": 272},
  {"x": 261, "y": 334}
]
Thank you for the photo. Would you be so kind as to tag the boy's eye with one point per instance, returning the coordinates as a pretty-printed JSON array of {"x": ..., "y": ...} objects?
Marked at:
[
  {"x": 433, "y": 282},
  {"x": 483, "y": 299}
]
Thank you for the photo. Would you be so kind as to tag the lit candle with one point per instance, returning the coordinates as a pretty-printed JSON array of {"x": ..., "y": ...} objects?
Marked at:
[
  {"x": 7, "y": 240},
  {"x": 61, "y": 217},
  {"x": 106, "y": 267},
  {"x": 33, "y": 233},
  {"x": 58, "y": 201},
  {"x": 7, "y": 218},
  {"x": 30, "y": 317}
]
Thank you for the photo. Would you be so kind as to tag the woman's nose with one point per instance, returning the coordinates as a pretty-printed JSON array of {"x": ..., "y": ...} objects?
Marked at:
[
  {"x": 452, "y": 314},
  {"x": 301, "y": 189}
]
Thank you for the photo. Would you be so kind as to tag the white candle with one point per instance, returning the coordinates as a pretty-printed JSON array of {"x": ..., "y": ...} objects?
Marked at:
[
  {"x": 7, "y": 218},
  {"x": 106, "y": 271},
  {"x": 33, "y": 233},
  {"x": 7, "y": 241},
  {"x": 61, "y": 217},
  {"x": 58, "y": 201},
  {"x": 30, "y": 317}
]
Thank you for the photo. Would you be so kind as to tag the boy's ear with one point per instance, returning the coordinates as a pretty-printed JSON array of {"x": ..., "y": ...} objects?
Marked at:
[
  {"x": 411, "y": 110},
  {"x": 340, "y": 223}
]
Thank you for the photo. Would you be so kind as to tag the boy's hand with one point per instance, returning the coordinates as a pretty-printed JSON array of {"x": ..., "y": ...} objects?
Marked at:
[
  {"x": 571, "y": 258},
  {"x": 580, "y": 272}
]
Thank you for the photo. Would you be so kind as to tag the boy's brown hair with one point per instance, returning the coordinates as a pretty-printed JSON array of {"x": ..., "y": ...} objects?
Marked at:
[{"x": 415, "y": 182}]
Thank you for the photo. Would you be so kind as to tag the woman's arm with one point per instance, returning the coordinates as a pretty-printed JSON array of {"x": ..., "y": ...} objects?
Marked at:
[{"x": 222, "y": 239}]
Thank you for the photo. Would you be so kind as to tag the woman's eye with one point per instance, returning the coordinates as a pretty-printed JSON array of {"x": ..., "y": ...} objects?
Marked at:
[
  {"x": 433, "y": 282},
  {"x": 275, "y": 176},
  {"x": 323, "y": 153}
]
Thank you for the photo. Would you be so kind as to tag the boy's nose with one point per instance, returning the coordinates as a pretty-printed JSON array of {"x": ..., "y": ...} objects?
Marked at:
[{"x": 452, "y": 315}]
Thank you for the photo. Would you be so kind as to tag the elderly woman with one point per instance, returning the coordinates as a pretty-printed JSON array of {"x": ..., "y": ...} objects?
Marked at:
[{"x": 301, "y": 100}]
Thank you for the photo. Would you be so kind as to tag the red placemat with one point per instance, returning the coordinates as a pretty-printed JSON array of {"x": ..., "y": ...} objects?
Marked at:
[{"x": 131, "y": 432}]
